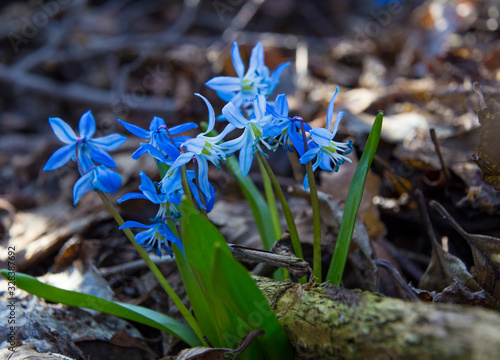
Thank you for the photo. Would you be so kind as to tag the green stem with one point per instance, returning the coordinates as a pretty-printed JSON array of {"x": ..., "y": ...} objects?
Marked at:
[
  {"x": 316, "y": 216},
  {"x": 294, "y": 235},
  {"x": 152, "y": 266},
  {"x": 271, "y": 202}
]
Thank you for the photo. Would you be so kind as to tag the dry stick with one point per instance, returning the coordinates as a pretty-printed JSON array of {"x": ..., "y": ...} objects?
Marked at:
[
  {"x": 397, "y": 278},
  {"x": 440, "y": 155}
]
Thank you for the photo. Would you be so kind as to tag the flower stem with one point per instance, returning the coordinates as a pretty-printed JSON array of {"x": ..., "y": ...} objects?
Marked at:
[
  {"x": 154, "y": 269},
  {"x": 292, "y": 228},
  {"x": 268, "y": 188},
  {"x": 316, "y": 216}
]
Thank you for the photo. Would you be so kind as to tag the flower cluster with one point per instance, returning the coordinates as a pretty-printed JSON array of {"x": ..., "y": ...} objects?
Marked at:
[{"x": 261, "y": 125}]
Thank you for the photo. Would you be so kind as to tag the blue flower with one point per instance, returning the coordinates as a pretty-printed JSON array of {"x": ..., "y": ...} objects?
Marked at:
[
  {"x": 251, "y": 138},
  {"x": 82, "y": 149},
  {"x": 283, "y": 129},
  {"x": 161, "y": 137},
  {"x": 204, "y": 149},
  {"x": 257, "y": 79},
  {"x": 166, "y": 200},
  {"x": 156, "y": 236},
  {"x": 324, "y": 148},
  {"x": 96, "y": 178}
]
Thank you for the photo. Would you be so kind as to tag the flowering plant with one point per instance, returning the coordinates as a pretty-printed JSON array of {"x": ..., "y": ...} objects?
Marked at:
[{"x": 222, "y": 294}]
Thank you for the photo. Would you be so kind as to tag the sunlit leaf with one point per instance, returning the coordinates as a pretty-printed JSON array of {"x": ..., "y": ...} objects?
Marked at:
[{"x": 127, "y": 311}]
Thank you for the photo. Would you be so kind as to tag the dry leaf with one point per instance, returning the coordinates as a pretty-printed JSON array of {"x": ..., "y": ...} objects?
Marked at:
[
  {"x": 205, "y": 353},
  {"x": 485, "y": 251},
  {"x": 487, "y": 154}
]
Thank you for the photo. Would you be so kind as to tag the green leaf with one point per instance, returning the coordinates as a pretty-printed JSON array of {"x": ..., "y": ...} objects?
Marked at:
[
  {"x": 127, "y": 311},
  {"x": 239, "y": 292},
  {"x": 200, "y": 237},
  {"x": 353, "y": 201}
]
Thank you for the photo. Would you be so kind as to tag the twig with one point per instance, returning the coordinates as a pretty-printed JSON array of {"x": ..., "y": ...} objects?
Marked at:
[
  {"x": 440, "y": 155},
  {"x": 397, "y": 278},
  {"x": 82, "y": 93},
  {"x": 134, "y": 265}
]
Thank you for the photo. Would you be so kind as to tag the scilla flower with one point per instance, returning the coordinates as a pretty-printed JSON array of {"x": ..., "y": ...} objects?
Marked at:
[
  {"x": 283, "y": 129},
  {"x": 257, "y": 79},
  {"x": 323, "y": 148},
  {"x": 82, "y": 148},
  {"x": 156, "y": 236},
  {"x": 97, "y": 178},
  {"x": 252, "y": 137},
  {"x": 204, "y": 149},
  {"x": 161, "y": 137}
]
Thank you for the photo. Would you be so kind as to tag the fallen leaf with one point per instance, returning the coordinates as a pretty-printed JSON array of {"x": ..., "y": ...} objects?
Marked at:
[
  {"x": 485, "y": 252},
  {"x": 487, "y": 154},
  {"x": 206, "y": 353}
]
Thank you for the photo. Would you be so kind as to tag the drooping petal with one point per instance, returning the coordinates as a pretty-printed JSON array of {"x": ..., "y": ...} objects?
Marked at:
[
  {"x": 235, "y": 144},
  {"x": 321, "y": 136},
  {"x": 226, "y": 96},
  {"x": 259, "y": 106},
  {"x": 183, "y": 159},
  {"x": 239, "y": 67},
  {"x": 144, "y": 236},
  {"x": 86, "y": 125},
  {"x": 203, "y": 176},
  {"x": 62, "y": 130},
  {"x": 108, "y": 142},
  {"x": 309, "y": 155},
  {"x": 246, "y": 156},
  {"x": 148, "y": 148},
  {"x": 106, "y": 180},
  {"x": 136, "y": 130},
  {"x": 224, "y": 83},
  {"x": 211, "y": 114},
  {"x": 82, "y": 186},
  {"x": 135, "y": 224},
  {"x": 234, "y": 116},
  {"x": 101, "y": 156},
  {"x": 60, "y": 157},
  {"x": 329, "y": 112}
]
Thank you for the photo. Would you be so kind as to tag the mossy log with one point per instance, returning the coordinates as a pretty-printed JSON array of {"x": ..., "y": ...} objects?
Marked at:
[{"x": 330, "y": 322}]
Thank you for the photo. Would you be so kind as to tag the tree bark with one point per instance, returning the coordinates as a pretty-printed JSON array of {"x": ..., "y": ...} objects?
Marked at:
[{"x": 330, "y": 322}]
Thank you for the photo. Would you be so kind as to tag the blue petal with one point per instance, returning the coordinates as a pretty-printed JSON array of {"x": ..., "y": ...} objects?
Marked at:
[
  {"x": 82, "y": 186},
  {"x": 329, "y": 112},
  {"x": 183, "y": 159},
  {"x": 340, "y": 115},
  {"x": 259, "y": 106},
  {"x": 211, "y": 114},
  {"x": 62, "y": 130},
  {"x": 306, "y": 182},
  {"x": 156, "y": 123},
  {"x": 130, "y": 196},
  {"x": 297, "y": 139},
  {"x": 275, "y": 77},
  {"x": 226, "y": 96},
  {"x": 101, "y": 156},
  {"x": 321, "y": 136},
  {"x": 135, "y": 224},
  {"x": 281, "y": 105},
  {"x": 309, "y": 155},
  {"x": 234, "y": 116},
  {"x": 106, "y": 180},
  {"x": 239, "y": 67},
  {"x": 246, "y": 156},
  {"x": 136, "y": 130},
  {"x": 203, "y": 176},
  {"x": 143, "y": 236},
  {"x": 60, "y": 157},
  {"x": 325, "y": 162},
  {"x": 235, "y": 144},
  {"x": 108, "y": 142},
  {"x": 224, "y": 83},
  {"x": 174, "y": 130},
  {"x": 148, "y": 148},
  {"x": 256, "y": 59},
  {"x": 86, "y": 125}
]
